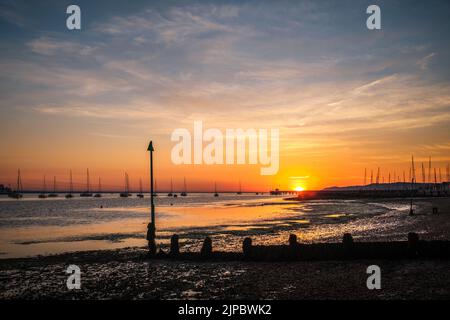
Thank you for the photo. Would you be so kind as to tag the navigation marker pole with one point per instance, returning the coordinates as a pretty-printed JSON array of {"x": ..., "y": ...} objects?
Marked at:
[{"x": 151, "y": 226}]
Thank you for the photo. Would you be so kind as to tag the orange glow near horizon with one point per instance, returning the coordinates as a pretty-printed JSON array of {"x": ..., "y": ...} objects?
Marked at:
[
  {"x": 342, "y": 102},
  {"x": 297, "y": 171}
]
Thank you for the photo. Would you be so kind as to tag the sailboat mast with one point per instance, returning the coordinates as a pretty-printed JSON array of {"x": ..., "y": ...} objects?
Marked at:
[
  {"x": 448, "y": 176},
  {"x": 429, "y": 170},
  {"x": 87, "y": 180},
  {"x": 71, "y": 182},
  {"x": 378, "y": 175},
  {"x": 423, "y": 173},
  {"x": 18, "y": 181},
  {"x": 126, "y": 183}
]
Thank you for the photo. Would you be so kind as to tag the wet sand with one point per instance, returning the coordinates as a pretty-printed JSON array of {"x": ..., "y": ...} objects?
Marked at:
[{"x": 127, "y": 274}]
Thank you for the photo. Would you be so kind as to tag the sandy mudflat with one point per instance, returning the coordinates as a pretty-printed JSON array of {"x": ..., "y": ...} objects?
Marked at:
[
  {"x": 127, "y": 274},
  {"x": 128, "y": 277}
]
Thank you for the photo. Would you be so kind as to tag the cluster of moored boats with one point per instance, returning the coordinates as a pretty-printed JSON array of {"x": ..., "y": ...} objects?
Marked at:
[{"x": 17, "y": 194}]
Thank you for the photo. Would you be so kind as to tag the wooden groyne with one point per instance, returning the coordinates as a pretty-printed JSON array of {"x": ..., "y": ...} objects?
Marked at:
[{"x": 348, "y": 249}]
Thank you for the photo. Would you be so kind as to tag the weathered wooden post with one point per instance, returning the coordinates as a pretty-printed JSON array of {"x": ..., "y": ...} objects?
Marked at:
[
  {"x": 293, "y": 240},
  {"x": 413, "y": 244},
  {"x": 174, "y": 246},
  {"x": 206, "y": 250},
  {"x": 247, "y": 248},
  {"x": 293, "y": 246},
  {"x": 151, "y": 227},
  {"x": 348, "y": 244}
]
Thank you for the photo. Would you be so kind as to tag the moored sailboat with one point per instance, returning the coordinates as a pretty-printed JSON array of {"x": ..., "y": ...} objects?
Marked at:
[
  {"x": 70, "y": 195},
  {"x": 87, "y": 193},
  {"x": 240, "y": 188},
  {"x": 126, "y": 193},
  {"x": 98, "y": 194},
  {"x": 155, "y": 192},
  {"x": 53, "y": 194},
  {"x": 184, "y": 193},
  {"x": 215, "y": 190},
  {"x": 17, "y": 194},
  {"x": 43, "y": 195},
  {"x": 170, "y": 194},
  {"x": 140, "y": 194}
]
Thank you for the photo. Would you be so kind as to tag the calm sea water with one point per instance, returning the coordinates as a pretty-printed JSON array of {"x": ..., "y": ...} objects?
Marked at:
[{"x": 33, "y": 226}]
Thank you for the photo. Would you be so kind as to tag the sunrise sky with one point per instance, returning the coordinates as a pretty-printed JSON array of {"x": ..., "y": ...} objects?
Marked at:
[{"x": 344, "y": 97}]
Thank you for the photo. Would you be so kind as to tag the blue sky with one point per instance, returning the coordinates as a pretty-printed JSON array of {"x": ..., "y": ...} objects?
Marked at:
[{"x": 311, "y": 68}]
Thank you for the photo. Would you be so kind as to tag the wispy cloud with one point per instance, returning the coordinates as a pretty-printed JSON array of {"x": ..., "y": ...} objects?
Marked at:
[
  {"x": 105, "y": 112},
  {"x": 373, "y": 84},
  {"x": 10, "y": 12},
  {"x": 175, "y": 24},
  {"x": 424, "y": 62},
  {"x": 50, "y": 46}
]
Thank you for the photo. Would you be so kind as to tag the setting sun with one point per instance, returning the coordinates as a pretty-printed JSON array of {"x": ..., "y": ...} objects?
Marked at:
[{"x": 299, "y": 188}]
